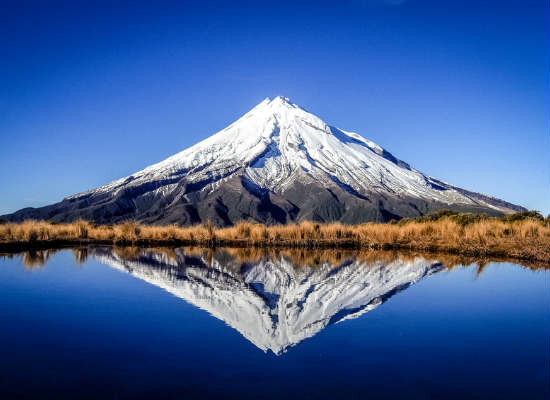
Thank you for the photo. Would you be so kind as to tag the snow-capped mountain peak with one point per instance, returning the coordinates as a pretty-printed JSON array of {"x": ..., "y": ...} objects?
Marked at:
[
  {"x": 278, "y": 142},
  {"x": 281, "y": 163}
]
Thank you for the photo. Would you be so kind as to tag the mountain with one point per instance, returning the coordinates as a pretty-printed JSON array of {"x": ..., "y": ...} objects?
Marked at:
[
  {"x": 272, "y": 302},
  {"x": 276, "y": 164}
]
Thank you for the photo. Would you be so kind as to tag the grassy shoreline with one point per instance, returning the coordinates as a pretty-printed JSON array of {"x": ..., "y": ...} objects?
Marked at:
[{"x": 526, "y": 239}]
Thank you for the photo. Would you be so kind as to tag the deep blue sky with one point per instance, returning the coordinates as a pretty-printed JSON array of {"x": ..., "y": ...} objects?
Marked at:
[{"x": 92, "y": 92}]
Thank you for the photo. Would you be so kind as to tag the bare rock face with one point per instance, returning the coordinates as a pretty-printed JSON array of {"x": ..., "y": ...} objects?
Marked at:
[{"x": 277, "y": 163}]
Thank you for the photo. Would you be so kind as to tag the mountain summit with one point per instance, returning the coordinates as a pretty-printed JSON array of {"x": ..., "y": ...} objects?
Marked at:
[{"x": 277, "y": 163}]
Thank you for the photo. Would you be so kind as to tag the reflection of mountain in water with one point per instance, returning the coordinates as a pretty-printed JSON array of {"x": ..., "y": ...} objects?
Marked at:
[{"x": 272, "y": 302}]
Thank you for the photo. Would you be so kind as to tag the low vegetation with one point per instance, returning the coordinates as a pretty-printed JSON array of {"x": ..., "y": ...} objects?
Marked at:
[{"x": 523, "y": 236}]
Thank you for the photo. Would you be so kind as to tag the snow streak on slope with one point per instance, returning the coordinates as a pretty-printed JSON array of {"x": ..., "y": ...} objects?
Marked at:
[
  {"x": 273, "y": 303},
  {"x": 278, "y": 143}
]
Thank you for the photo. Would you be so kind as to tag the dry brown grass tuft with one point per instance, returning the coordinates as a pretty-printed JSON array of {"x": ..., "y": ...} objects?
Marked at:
[{"x": 523, "y": 239}]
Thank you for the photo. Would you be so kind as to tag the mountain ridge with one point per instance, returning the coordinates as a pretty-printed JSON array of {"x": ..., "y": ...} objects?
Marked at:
[{"x": 278, "y": 163}]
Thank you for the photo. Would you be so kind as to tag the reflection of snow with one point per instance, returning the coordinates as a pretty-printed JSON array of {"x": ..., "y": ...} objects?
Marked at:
[{"x": 272, "y": 303}]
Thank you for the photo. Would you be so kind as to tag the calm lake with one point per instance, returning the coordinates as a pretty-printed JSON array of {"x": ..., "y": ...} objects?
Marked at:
[{"x": 237, "y": 323}]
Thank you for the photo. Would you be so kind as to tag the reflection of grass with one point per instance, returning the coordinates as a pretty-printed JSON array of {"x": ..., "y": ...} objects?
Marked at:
[
  {"x": 300, "y": 257},
  {"x": 235, "y": 257},
  {"x": 527, "y": 239}
]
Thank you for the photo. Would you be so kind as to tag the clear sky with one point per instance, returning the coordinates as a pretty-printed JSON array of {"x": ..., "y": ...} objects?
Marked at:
[{"x": 91, "y": 92}]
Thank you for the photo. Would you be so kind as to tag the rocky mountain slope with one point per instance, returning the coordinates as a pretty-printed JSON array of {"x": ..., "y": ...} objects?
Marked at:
[{"x": 276, "y": 164}]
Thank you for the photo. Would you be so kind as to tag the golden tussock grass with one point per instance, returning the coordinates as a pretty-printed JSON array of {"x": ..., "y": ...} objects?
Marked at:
[{"x": 524, "y": 239}]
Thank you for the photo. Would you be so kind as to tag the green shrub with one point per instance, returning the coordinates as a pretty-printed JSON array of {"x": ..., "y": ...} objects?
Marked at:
[
  {"x": 525, "y": 215},
  {"x": 464, "y": 219}
]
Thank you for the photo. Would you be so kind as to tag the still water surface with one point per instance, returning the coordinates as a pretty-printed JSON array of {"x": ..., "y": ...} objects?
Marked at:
[{"x": 186, "y": 323}]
